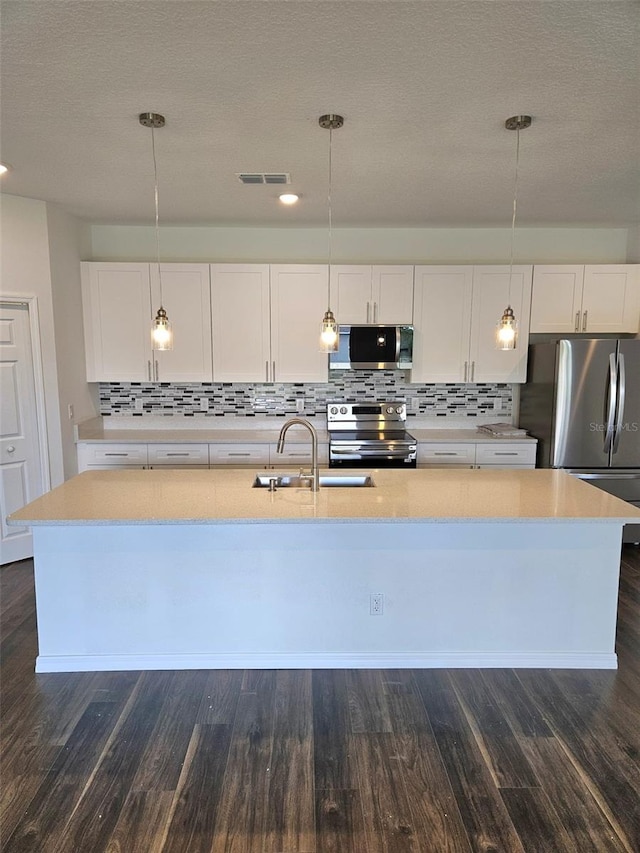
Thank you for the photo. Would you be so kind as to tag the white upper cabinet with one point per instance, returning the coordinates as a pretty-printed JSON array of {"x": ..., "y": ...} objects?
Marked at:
[
  {"x": 119, "y": 301},
  {"x": 364, "y": 294},
  {"x": 591, "y": 299},
  {"x": 241, "y": 325},
  {"x": 187, "y": 300},
  {"x": 457, "y": 309},
  {"x": 266, "y": 322},
  {"x": 298, "y": 302},
  {"x": 116, "y": 305}
]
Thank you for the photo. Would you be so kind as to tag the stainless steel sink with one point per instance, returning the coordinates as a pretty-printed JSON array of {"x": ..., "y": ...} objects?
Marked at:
[{"x": 295, "y": 481}]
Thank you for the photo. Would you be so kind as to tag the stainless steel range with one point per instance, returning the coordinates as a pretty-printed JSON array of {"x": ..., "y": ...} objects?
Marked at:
[{"x": 370, "y": 435}]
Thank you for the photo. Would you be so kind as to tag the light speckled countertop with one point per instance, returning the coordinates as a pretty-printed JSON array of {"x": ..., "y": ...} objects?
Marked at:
[
  {"x": 97, "y": 430},
  {"x": 225, "y": 495}
]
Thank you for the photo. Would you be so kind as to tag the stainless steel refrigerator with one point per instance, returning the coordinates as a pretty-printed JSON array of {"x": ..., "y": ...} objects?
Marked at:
[{"x": 582, "y": 402}]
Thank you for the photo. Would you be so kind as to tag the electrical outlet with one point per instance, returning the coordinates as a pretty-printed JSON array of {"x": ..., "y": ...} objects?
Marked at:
[
  {"x": 300, "y": 405},
  {"x": 414, "y": 404},
  {"x": 376, "y": 604},
  {"x": 497, "y": 404},
  {"x": 137, "y": 405},
  {"x": 204, "y": 404}
]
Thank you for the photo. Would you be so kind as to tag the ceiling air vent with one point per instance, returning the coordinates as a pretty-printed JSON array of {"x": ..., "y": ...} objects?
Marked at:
[{"x": 264, "y": 177}]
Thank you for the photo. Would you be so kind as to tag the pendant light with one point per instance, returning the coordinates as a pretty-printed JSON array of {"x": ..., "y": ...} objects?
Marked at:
[
  {"x": 329, "y": 331},
  {"x": 161, "y": 331},
  {"x": 507, "y": 329}
]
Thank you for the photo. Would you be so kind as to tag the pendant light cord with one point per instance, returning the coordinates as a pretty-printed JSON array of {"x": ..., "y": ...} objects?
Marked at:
[
  {"x": 155, "y": 182},
  {"x": 329, "y": 236},
  {"x": 515, "y": 208}
]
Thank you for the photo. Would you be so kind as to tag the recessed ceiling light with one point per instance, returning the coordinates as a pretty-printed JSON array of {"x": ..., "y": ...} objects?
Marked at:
[
  {"x": 288, "y": 198},
  {"x": 3, "y": 168}
]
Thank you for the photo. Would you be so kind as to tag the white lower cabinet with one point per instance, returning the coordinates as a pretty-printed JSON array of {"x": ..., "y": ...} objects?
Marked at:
[
  {"x": 173, "y": 455},
  {"x": 94, "y": 456},
  {"x": 239, "y": 455},
  {"x": 501, "y": 454}
]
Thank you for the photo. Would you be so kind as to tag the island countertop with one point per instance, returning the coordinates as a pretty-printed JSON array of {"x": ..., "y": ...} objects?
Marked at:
[{"x": 222, "y": 496}]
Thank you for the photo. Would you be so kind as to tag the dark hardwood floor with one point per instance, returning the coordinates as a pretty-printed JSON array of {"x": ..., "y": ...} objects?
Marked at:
[{"x": 437, "y": 761}]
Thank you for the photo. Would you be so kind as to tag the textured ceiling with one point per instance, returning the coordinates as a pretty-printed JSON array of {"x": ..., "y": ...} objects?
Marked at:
[{"x": 424, "y": 87}]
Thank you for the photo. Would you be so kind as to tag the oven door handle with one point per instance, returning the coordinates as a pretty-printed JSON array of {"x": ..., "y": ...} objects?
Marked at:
[{"x": 363, "y": 451}]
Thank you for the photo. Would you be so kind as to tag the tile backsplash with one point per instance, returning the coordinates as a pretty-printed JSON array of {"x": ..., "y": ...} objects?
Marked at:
[{"x": 256, "y": 399}]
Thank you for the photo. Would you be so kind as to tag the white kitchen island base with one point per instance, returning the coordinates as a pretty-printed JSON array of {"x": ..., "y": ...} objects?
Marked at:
[{"x": 295, "y": 595}]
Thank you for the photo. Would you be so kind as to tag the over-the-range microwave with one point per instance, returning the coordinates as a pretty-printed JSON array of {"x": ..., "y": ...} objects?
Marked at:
[{"x": 373, "y": 348}]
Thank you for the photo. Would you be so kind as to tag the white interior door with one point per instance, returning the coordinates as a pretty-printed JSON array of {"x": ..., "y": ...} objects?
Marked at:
[{"x": 20, "y": 464}]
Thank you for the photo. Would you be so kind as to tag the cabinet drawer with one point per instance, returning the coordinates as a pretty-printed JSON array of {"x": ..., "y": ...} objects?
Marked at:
[
  {"x": 239, "y": 454},
  {"x": 178, "y": 454},
  {"x": 506, "y": 454},
  {"x": 446, "y": 454},
  {"x": 111, "y": 455},
  {"x": 298, "y": 455}
]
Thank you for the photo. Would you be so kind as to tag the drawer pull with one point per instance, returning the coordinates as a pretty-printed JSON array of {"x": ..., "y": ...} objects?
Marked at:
[
  {"x": 116, "y": 454},
  {"x": 505, "y": 453},
  {"x": 445, "y": 453},
  {"x": 238, "y": 454},
  {"x": 178, "y": 454}
]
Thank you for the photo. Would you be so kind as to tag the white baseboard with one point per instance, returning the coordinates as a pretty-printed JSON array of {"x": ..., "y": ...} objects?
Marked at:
[{"x": 319, "y": 660}]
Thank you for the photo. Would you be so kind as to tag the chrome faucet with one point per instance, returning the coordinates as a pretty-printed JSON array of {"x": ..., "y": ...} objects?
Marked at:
[{"x": 315, "y": 473}]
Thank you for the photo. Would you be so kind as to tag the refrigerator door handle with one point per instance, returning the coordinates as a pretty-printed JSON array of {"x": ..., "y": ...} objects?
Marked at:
[
  {"x": 620, "y": 406},
  {"x": 611, "y": 407}
]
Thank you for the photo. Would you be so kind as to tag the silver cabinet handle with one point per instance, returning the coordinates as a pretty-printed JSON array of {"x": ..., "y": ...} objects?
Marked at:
[
  {"x": 368, "y": 312},
  {"x": 178, "y": 454},
  {"x": 149, "y": 370},
  {"x": 577, "y": 329},
  {"x": 116, "y": 454},
  {"x": 444, "y": 453},
  {"x": 473, "y": 371},
  {"x": 584, "y": 321},
  {"x": 266, "y": 371},
  {"x": 238, "y": 454},
  {"x": 11, "y": 449},
  {"x": 505, "y": 453},
  {"x": 157, "y": 372},
  {"x": 273, "y": 372},
  {"x": 375, "y": 312},
  {"x": 465, "y": 371}
]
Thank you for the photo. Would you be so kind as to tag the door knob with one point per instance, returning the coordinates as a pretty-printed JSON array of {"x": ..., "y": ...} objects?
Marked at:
[{"x": 10, "y": 449}]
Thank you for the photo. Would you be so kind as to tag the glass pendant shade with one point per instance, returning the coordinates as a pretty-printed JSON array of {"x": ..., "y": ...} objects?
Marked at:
[
  {"x": 329, "y": 333},
  {"x": 161, "y": 332},
  {"x": 507, "y": 330}
]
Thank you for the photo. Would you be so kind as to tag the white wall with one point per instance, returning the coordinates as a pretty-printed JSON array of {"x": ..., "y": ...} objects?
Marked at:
[
  {"x": 360, "y": 245},
  {"x": 26, "y": 272},
  {"x": 68, "y": 241}
]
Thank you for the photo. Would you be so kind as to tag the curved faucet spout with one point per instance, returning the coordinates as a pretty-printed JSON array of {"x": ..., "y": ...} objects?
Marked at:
[{"x": 315, "y": 471}]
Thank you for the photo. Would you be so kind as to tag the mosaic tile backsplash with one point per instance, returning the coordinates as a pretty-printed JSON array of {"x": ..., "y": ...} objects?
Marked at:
[{"x": 279, "y": 400}]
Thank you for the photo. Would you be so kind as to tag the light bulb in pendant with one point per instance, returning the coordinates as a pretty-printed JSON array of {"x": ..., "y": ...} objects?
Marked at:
[
  {"x": 507, "y": 330},
  {"x": 161, "y": 333},
  {"x": 329, "y": 333}
]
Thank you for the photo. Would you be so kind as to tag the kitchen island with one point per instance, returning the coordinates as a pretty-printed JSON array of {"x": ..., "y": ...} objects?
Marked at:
[{"x": 176, "y": 569}]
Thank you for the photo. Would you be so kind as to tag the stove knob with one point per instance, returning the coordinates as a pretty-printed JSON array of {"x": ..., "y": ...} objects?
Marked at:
[
  {"x": 343, "y": 410},
  {"x": 389, "y": 410},
  {"x": 399, "y": 410},
  {"x": 334, "y": 410}
]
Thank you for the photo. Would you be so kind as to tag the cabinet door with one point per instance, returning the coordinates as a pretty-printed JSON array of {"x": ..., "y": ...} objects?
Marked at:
[
  {"x": 178, "y": 455},
  {"x": 392, "y": 295},
  {"x": 506, "y": 454},
  {"x": 441, "y": 454},
  {"x": 556, "y": 300},
  {"x": 298, "y": 303},
  {"x": 187, "y": 300},
  {"x": 240, "y": 320},
  {"x": 239, "y": 455},
  {"x": 442, "y": 321},
  {"x": 116, "y": 309},
  {"x": 98, "y": 455},
  {"x": 610, "y": 299},
  {"x": 351, "y": 294},
  {"x": 492, "y": 291}
]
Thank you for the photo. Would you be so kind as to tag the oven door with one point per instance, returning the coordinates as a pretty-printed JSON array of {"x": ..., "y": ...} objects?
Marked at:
[{"x": 379, "y": 455}]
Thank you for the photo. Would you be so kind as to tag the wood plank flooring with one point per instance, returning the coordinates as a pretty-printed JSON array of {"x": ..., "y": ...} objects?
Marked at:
[{"x": 293, "y": 761}]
